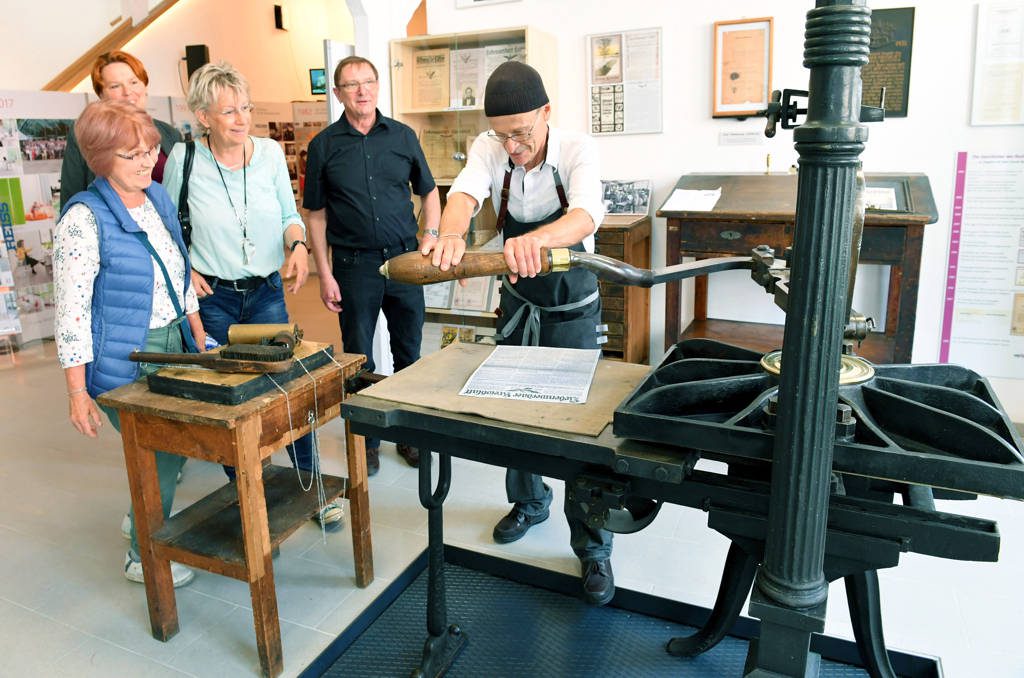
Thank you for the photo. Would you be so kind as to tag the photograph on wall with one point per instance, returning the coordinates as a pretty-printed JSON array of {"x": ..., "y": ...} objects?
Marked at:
[
  {"x": 42, "y": 143},
  {"x": 606, "y": 59},
  {"x": 27, "y": 217},
  {"x": 10, "y": 149},
  {"x": 624, "y": 82},
  {"x": 626, "y": 197},
  {"x": 742, "y": 67},
  {"x": 888, "y": 67}
]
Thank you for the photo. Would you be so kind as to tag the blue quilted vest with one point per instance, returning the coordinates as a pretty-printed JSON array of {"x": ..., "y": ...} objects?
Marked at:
[{"x": 122, "y": 296}]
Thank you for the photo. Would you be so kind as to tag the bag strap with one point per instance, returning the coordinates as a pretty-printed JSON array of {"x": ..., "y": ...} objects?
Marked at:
[
  {"x": 183, "y": 214},
  {"x": 186, "y": 331}
]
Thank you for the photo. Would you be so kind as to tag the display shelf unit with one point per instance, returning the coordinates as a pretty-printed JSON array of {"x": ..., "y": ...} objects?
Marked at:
[
  {"x": 626, "y": 310},
  {"x": 540, "y": 52}
]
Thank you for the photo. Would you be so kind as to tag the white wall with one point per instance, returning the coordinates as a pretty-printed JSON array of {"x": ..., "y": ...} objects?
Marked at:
[
  {"x": 38, "y": 43},
  {"x": 275, "y": 62},
  {"x": 925, "y": 141}
]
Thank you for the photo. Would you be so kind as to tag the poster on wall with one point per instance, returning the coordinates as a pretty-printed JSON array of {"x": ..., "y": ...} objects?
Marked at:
[
  {"x": 983, "y": 318},
  {"x": 624, "y": 82},
  {"x": 277, "y": 121},
  {"x": 892, "y": 39},
  {"x": 182, "y": 119},
  {"x": 310, "y": 118},
  {"x": 998, "y": 92},
  {"x": 33, "y": 136}
]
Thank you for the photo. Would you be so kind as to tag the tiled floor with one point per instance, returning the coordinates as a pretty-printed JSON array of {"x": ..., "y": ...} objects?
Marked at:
[{"x": 66, "y": 609}]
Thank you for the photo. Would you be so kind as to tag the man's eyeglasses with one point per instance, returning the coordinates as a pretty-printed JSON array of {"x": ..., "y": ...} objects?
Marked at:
[
  {"x": 245, "y": 109},
  {"x": 353, "y": 86},
  {"x": 137, "y": 156},
  {"x": 518, "y": 137}
]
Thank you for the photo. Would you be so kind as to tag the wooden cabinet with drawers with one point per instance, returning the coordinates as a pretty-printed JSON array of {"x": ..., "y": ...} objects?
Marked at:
[{"x": 626, "y": 310}]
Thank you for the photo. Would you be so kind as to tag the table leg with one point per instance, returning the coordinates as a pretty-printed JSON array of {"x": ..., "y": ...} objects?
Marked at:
[
  {"x": 672, "y": 289},
  {"x": 359, "y": 507},
  {"x": 700, "y": 296},
  {"x": 140, "y": 463},
  {"x": 252, "y": 507}
]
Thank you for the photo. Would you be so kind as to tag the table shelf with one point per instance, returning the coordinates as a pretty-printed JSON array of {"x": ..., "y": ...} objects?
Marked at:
[{"x": 211, "y": 528}]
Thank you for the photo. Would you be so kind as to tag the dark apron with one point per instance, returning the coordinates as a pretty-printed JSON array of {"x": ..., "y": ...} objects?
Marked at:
[{"x": 559, "y": 310}]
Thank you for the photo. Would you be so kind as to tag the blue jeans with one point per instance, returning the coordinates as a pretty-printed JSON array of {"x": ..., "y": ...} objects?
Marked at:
[
  {"x": 265, "y": 304},
  {"x": 364, "y": 294}
]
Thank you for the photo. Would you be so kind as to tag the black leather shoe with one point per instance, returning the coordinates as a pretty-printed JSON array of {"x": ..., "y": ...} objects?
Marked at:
[
  {"x": 598, "y": 581},
  {"x": 372, "y": 460},
  {"x": 514, "y": 525},
  {"x": 410, "y": 454}
]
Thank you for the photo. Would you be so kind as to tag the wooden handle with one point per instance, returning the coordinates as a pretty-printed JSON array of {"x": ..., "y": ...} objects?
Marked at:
[
  {"x": 214, "y": 362},
  {"x": 417, "y": 269}
]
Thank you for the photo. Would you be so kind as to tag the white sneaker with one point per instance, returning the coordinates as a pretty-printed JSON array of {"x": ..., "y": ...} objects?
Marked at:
[
  {"x": 332, "y": 516},
  {"x": 126, "y": 527},
  {"x": 180, "y": 574}
]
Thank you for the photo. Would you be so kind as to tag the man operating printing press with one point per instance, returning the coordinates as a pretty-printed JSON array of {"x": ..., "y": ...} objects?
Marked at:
[{"x": 545, "y": 184}]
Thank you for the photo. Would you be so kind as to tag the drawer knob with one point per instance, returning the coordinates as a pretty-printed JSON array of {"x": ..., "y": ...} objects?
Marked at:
[{"x": 730, "y": 235}]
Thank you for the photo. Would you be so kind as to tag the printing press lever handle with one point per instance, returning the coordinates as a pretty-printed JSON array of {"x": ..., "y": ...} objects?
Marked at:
[{"x": 418, "y": 269}]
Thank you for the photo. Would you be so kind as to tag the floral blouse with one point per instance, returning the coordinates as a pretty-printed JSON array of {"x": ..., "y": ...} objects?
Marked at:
[{"x": 76, "y": 263}]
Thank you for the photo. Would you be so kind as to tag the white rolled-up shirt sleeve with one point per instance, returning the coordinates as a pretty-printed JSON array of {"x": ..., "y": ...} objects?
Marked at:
[{"x": 580, "y": 163}]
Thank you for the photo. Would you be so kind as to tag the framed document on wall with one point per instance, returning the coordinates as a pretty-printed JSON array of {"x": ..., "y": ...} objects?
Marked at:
[
  {"x": 742, "y": 67},
  {"x": 624, "y": 82}
]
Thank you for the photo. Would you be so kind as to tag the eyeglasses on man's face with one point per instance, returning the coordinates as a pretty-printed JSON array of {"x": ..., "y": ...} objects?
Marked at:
[
  {"x": 137, "y": 156},
  {"x": 245, "y": 109},
  {"x": 352, "y": 86},
  {"x": 518, "y": 137}
]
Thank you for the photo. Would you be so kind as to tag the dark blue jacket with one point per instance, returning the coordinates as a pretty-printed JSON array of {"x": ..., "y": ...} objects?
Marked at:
[{"x": 122, "y": 295}]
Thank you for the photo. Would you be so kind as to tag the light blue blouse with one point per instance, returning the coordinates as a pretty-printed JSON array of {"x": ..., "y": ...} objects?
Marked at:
[{"x": 216, "y": 232}]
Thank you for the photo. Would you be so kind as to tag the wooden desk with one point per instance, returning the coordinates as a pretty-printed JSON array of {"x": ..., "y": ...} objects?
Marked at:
[
  {"x": 233, "y": 530},
  {"x": 760, "y": 209}
]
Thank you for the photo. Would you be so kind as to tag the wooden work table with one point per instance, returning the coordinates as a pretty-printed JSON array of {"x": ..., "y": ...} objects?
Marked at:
[
  {"x": 760, "y": 209},
  {"x": 234, "y": 530}
]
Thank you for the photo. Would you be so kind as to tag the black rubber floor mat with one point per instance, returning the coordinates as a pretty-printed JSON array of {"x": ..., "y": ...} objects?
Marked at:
[{"x": 515, "y": 630}]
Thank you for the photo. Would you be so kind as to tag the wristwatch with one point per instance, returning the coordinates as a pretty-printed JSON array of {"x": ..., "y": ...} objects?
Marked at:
[{"x": 296, "y": 243}]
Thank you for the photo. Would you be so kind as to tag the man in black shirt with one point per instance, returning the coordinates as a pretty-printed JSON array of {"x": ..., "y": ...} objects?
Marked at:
[{"x": 357, "y": 188}]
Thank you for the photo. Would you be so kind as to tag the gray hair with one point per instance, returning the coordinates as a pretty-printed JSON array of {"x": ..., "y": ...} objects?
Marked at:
[{"x": 209, "y": 81}]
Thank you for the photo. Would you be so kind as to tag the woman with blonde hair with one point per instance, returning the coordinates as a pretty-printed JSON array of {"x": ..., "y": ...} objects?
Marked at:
[
  {"x": 244, "y": 218},
  {"x": 122, "y": 280}
]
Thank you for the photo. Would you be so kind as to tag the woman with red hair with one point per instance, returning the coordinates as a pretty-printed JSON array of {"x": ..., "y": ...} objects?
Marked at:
[
  {"x": 122, "y": 280},
  {"x": 116, "y": 76}
]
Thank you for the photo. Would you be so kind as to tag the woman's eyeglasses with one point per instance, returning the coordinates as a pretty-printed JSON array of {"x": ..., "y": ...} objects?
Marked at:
[{"x": 137, "y": 156}]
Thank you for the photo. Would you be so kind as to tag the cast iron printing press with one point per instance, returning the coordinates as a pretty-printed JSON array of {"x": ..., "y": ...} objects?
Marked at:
[{"x": 816, "y": 452}]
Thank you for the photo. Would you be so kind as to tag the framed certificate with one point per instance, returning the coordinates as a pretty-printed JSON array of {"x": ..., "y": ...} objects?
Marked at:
[{"x": 743, "y": 67}]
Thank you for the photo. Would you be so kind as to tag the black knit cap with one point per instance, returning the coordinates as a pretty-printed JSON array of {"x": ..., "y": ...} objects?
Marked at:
[{"x": 513, "y": 88}]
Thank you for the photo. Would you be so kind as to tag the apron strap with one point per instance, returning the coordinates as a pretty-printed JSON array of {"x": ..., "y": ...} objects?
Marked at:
[
  {"x": 560, "y": 190},
  {"x": 531, "y": 330},
  {"x": 503, "y": 208}
]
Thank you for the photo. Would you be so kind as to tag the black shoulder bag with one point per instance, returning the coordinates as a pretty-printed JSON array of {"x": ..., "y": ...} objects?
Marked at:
[{"x": 183, "y": 214}]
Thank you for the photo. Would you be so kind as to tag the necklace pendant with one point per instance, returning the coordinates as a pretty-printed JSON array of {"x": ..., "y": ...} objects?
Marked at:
[{"x": 248, "y": 250}]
